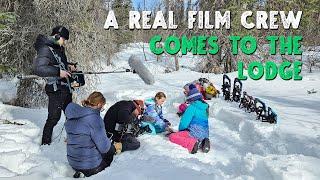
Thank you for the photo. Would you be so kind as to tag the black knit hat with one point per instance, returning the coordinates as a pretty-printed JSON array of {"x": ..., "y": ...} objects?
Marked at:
[{"x": 62, "y": 31}]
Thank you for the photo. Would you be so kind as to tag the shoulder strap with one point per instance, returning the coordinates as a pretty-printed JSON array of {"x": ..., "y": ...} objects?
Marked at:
[
  {"x": 58, "y": 59},
  {"x": 61, "y": 66}
]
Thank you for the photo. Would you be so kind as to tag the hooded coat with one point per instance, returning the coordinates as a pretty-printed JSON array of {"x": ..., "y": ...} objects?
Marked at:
[
  {"x": 45, "y": 64},
  {"x": 86, "y": 137},
  {"x": 121, "y": 113},
  {"x": 155, "y": 112},
  {"x": 195, "y": 120}
]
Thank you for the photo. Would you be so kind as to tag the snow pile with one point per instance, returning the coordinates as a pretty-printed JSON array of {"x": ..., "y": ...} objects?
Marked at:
[
  {"x": 242, "y": 148},
  {"x": 8, "y": 91}
]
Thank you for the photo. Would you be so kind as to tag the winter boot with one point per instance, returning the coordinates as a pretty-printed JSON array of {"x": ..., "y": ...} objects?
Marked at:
[
  {"x": 205, "y": 145},
  {"x": 195, "y": 148},
  {"x": 78, "y": 174}
]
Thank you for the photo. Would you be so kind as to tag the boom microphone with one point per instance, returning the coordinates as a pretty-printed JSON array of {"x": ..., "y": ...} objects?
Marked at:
[{"x": 136, "y": 64}]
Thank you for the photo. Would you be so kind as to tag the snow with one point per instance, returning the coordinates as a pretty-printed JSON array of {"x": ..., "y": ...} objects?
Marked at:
[
  {"x": 8, "y": 90},
  {"x": 242, "y": 147}
]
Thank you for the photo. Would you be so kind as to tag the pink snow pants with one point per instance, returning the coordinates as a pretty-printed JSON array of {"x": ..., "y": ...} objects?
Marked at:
[{"x": 184, "y": 139}]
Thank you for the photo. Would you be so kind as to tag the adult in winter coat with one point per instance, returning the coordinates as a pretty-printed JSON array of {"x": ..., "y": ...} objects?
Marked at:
[
  {"x": 193, "y": 128},
  {"x": 153, "y": 113},
  {"x": 118, "y": 120},
  {"x": 50, "y": 50},
  {"x": 89, "y": 150}
]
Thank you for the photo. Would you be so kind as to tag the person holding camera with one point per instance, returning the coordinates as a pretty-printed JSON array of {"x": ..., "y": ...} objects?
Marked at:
[
  {"x": 119, "y": 121},
  {"x": 51, "y": 62}
]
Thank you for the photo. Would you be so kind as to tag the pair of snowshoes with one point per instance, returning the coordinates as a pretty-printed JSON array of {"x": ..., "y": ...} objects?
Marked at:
[
  {"x": 226, "y": 89},
  {"x": 204, "y": 145}
]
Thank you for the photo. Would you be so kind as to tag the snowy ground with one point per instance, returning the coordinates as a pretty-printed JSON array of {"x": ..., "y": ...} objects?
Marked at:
[{"x": 242, "y": 148}]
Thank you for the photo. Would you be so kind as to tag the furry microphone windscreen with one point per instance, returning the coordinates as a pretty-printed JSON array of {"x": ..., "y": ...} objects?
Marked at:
[{"x": 136, "y": 64}]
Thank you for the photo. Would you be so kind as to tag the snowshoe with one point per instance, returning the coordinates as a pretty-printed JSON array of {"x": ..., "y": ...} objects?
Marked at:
[
  {"x": 203, "y": 81},
  {"x": 243, "y": 100},
  {"x": 195, "y": 148},
  {"x": 237, "y": 89},
  {"x": 251, "y": 106},
  {"x": 271, "y": 116},
  {"x": 205, "y": 145},
  {"x": 247, "y": 102},
  {"x": 261, "y": 110},
  {"x": 226, "y": 88}
]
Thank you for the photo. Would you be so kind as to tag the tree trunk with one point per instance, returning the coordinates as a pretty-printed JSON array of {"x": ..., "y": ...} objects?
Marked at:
[{"x": 176, "y": 61}]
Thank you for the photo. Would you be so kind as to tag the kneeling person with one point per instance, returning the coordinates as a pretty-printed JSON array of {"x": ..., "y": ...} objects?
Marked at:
[
  {"x": 89, "y": 150},
  {"x": 194, "y": 128},
  {"x": 118, "y": 120}
]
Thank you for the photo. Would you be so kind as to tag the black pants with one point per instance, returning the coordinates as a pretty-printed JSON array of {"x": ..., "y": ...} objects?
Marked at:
[
  {"x": 106, "y": 161},
  {"x": 58, "y": 101},
  {"x": 129, "y": 142}
]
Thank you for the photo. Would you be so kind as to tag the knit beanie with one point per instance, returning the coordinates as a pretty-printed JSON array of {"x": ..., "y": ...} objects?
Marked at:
[
  {"x": 193, "y": 94},
  {"x": 62, "y": 31}
]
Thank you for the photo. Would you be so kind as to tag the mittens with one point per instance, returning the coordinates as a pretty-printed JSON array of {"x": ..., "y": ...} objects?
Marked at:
[{"x": 118, "y": 146}]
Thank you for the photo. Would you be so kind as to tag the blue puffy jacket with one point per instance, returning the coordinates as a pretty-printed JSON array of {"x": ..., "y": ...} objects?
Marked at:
[
  {"x": 86, "y": 137},
  {"x": 195, "y": 120},
  {"x": 155, "y": 112}
]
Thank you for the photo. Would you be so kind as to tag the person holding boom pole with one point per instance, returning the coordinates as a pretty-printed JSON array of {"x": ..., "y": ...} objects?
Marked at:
[{"x": 51, "y": 62}]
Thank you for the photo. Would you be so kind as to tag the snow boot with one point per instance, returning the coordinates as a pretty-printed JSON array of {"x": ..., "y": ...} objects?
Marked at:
[
  {"x": 78, "y": 174},
  {"x": 195, "y": 148},
  {"x": 205, "y": 145}
]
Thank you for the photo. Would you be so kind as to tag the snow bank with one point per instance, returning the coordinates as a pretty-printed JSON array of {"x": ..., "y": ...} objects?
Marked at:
[
  {"x": 8, "y": 91},
  {"x": 242, "y": 147}
]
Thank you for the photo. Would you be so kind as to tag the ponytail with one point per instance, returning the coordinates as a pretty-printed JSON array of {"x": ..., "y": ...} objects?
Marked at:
[{"x": 94, "y": 99}]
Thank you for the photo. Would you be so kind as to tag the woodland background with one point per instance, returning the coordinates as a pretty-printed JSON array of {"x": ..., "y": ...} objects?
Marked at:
[{"x": 92, "y": 46}]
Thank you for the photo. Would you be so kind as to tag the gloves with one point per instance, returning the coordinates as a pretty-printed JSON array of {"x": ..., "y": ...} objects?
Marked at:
[
  {"x": 167, "y": 122},
  {"x": 118, "y": 146}
]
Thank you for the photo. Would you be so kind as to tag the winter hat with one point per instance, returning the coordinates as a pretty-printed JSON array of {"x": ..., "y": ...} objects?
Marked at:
[
  {"x": 186, "y": 87},
  {"x": 139, "y": 105},
  {"x": 62, "y": 31},
  {"x": 194, "y": 94}
]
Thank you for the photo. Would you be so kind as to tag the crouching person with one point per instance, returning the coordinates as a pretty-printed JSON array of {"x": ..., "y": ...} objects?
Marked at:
[
  {"x": 153, "y": 114},
  {"x": 193, "y": 128},
  {"x": 119, "y": 121},
  {"x": 89, "y": 150}
]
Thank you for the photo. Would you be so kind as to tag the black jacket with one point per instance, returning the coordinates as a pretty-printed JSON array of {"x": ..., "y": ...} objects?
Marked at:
[
  {"x": 45, "y": 64},
  {"x": 121, "y": 113}
]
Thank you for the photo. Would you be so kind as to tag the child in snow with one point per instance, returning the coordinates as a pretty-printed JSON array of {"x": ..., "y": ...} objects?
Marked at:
[
  {"x": 193, "y": 128},
  {"x": 153, "y": 113},
  {"x": 182, "y": 107},
  {"x": 89, "y": 150}
]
